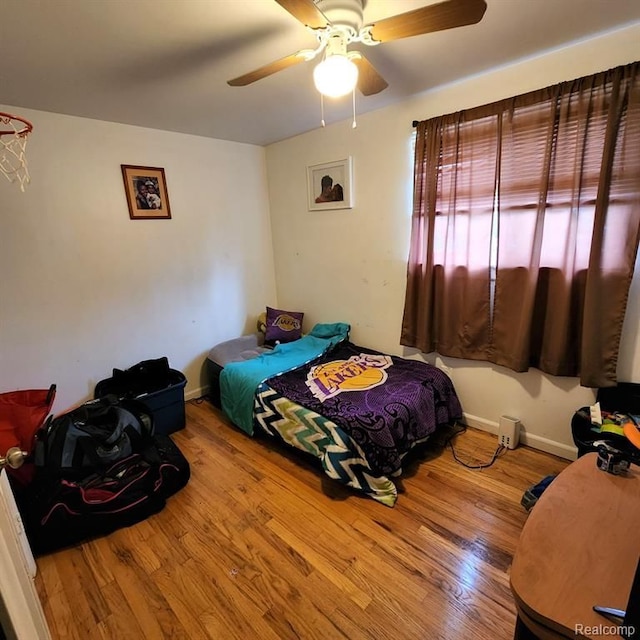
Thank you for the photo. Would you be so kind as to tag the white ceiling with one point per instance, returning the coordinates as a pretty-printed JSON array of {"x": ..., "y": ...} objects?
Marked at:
[{"x": 164, "y": 63}]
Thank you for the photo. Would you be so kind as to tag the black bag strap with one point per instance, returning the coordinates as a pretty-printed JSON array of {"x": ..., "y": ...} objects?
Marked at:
[
  {"x": 49, "y": 454},
  {"x": 40, "y": 449}
]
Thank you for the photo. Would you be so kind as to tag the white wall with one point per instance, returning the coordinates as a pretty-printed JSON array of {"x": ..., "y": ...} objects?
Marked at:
[
  {"x": 84, "y": 289},
  {"x": 350, "y": 265}
]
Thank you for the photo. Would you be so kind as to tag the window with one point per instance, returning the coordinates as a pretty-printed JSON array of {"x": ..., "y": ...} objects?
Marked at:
[{"x": 525, "y": 228}]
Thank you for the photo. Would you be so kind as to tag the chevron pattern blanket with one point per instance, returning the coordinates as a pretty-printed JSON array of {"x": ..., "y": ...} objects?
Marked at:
[{"x": 358, "y": 410}]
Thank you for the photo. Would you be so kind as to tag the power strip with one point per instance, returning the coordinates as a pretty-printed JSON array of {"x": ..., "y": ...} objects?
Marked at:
[{"x": 509, "y": 432}]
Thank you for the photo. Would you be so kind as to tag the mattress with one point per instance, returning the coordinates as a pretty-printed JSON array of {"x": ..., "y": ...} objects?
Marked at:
[{"x": 357, "y": 410}]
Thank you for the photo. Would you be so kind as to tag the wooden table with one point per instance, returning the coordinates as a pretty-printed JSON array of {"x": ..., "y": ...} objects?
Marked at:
[{"x": 578, "y": 548}]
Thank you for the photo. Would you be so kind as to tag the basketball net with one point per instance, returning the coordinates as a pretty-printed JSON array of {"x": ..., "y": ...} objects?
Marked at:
[{"x": 13, "y": 143}]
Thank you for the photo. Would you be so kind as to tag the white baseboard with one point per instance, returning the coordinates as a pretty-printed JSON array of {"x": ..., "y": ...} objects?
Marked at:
[
  {"x": 196, "y": 393},
  {"x": 559, "y": 449},
  {"x": 480, "y": 423},
  {"x": 529, "y": 439}
]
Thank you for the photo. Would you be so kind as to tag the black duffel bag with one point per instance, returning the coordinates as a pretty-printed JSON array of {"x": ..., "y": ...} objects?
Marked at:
[
  {"x": 92, "y": 437},
  {"x": 59, "y": 513}
]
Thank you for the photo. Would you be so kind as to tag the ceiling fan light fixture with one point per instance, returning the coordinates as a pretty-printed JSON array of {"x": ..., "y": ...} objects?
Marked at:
[{"x": 335, "y": 76}]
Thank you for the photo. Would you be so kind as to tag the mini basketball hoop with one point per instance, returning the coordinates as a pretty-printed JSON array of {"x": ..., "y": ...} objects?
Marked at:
[{"x": 13, "y": 143}]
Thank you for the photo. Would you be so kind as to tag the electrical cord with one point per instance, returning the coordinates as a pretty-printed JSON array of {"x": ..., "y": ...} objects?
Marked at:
[{"x": 484, "y": 465}]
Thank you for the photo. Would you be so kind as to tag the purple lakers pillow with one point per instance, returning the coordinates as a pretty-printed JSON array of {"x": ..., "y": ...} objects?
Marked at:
[{"x": 283, "y": 326}]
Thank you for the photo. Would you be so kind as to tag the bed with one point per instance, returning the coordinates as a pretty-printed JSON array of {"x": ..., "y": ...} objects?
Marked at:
[{"x": 357, "y": 410}]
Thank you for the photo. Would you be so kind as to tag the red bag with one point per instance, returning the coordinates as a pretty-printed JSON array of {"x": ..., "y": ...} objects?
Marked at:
[{"x": 22, "y": 413}]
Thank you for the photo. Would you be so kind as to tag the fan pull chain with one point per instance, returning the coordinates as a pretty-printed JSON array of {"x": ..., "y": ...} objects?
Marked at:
[{"x": 354, "y": 124}]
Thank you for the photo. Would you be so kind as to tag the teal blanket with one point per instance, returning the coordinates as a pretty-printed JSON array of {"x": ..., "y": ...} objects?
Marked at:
[{"x": 239, "y": 381}]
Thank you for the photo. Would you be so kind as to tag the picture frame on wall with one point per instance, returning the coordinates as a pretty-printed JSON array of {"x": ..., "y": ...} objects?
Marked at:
[
  {"x": 330, "y": 185},
  {"x": 146, "y": 189}
]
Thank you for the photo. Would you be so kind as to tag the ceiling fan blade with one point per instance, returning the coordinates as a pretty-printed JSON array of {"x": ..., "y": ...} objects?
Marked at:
[
  {"x": 306, "y": 12},
  {"x": 370, "y": 81},
  {"x": 435, "y": 17},
  {"x": 267, "y": 70}
]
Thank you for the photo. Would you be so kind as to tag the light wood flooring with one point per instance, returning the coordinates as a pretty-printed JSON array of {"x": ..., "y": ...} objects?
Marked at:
[{"x": 260, "y": 544}]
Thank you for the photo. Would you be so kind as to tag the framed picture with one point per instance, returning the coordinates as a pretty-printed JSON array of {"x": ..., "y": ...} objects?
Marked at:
[
  {"x": 146, "y": 190},
  {"x": 330, "y": 185}
]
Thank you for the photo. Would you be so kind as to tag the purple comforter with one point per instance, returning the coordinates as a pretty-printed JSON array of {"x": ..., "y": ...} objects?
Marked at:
[{"x": 385, "y": 403}]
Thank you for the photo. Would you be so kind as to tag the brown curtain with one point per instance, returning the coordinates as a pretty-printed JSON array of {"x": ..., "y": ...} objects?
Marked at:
[{"x": 525, "y": 228}]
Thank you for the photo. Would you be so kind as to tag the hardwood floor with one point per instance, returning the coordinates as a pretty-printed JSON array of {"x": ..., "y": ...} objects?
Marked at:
[{"x": 260, "y": 544}]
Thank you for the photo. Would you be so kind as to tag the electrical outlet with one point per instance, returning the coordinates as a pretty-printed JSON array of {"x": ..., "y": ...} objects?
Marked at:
[
  {"x": 504, "y": 440},
  {"x": 509, "y": 432}
]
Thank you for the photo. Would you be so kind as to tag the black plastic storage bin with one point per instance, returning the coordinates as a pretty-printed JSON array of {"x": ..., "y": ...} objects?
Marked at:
[{"x": 166, "y": 404}]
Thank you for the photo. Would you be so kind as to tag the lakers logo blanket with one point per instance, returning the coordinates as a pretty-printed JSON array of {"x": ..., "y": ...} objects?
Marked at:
[{"x": 385, "y": 403}]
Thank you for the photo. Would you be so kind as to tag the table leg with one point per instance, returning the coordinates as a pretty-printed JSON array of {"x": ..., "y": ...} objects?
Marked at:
[{"x": 522, "y": 632}]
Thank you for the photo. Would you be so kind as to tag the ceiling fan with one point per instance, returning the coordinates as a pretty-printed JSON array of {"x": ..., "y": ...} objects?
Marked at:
[{"x": 339, "y": 23}]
